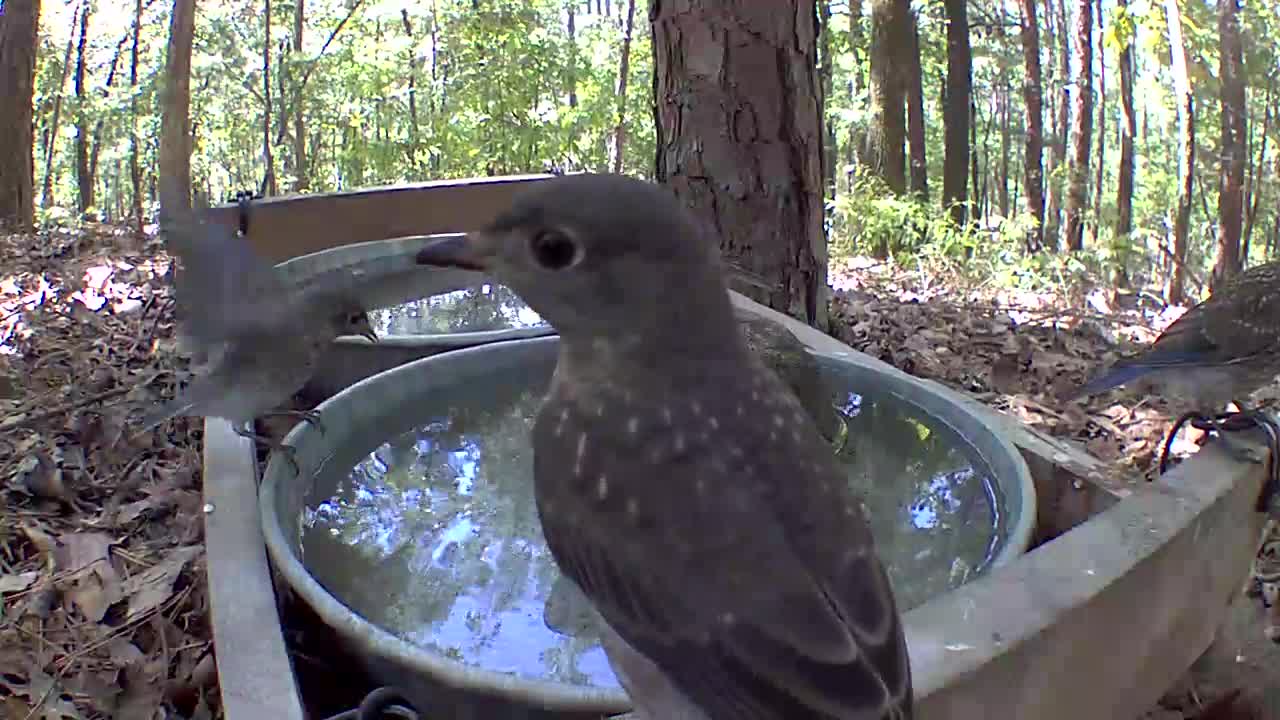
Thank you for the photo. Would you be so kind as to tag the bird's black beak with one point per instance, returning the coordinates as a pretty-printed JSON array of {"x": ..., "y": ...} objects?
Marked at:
[{"x": 468, "y": 252}]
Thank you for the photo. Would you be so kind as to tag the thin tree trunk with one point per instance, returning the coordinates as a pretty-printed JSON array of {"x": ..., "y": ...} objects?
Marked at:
[
  {"x": 826, "y": 64},
  {"x": 174, "y": 158},
  {"x": 1033, "y": 168},
  {"x": 1234, "y": 128},
  {"x": 1003, "y": 101},
  {"x": 436, "y": 81},
  {"x": 1058, "y": 149},
  {"x": 414, "y": 132},
  {"x": 919, "y": 179},
  {"x": 760, "y": 190},
  {"x": 624, "y": 72},
  {"x": 955, "y": 162},
  {"x": 1101, "y": 127},
  {"x": 1176, "y": 292},
  {"x": 855, "y": 144},
  {"x": 268, "y": 159},
  {"x": 573, "y": 56},
  {"x": 1081, "y": 127},
  {"x": 46, "y": 196},
  {"x": 98, "y": 127},
  {"x": 135, "y": 163},
  {"x": 301, "y": 163},
  {"x": 84, "y": 180},
  {"x": 1254, "y": 193},
  {"x": 1128, "y": 129}
]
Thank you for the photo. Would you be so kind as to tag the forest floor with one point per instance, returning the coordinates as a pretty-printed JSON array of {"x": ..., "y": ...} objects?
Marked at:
[{"x": 103, "y": 608}]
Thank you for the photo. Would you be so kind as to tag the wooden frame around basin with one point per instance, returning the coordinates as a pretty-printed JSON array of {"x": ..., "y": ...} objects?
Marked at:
[{"x": 1097, "y": 623}]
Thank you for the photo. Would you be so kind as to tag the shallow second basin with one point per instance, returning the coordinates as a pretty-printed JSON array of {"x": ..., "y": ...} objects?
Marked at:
[{"x": 433, "y": 538}]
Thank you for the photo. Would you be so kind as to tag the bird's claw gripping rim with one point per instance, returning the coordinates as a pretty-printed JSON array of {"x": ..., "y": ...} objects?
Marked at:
[{"x": 1269, "y": 499}]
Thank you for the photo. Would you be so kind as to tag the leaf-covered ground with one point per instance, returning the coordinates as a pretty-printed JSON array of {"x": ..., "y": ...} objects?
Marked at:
[{"x": 104, "y": 612}]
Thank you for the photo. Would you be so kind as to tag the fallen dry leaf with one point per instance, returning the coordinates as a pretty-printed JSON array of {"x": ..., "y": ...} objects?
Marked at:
[{"x": 152, "y": 587}]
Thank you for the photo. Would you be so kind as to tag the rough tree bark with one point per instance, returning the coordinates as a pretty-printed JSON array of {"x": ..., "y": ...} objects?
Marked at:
[
  {"x": 1176, "y": 290},
  {"x": 1232, "y": 161},
  {"x": 918, "y": 182},
  {"x": 18, "y": 44},
  {"x": 955, "y": 162},
  {"x": 1081, "y": 126},
  {"x": 1128, "y": 165},
  {"x": 175, "y": 106},
  {"x": 84, "y": 180},
  {"x": 1033, "y": 167},
  {"x": 624, "y": 73},
  {"x": 739, "y": 137},
  {"x": 890, "y": 43}
]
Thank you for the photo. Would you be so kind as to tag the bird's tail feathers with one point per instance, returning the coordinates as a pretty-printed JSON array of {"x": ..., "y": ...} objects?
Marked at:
[{"x": 1116, "y": 376}]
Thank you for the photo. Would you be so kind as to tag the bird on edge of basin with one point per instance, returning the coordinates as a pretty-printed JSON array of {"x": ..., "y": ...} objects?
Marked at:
[
  {"x": 258, "y": 337},
  {"x": 1220, "y": 351},
  {"x": 679, "y": 482}
]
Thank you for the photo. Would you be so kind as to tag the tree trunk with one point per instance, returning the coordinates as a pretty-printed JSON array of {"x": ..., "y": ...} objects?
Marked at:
[
  {"x": 269, "y": 178},
  {"x": 1058, "y": 148},
  {"x": 955, "y": 162},
  {"x": 19, "y": 41},
  {"x": 826, "y": 65},
  {"x": 411, "y": 153},
  {"x": 1081, "y": 126},
  {"x": 1176, "y": 292},
  {"x": 1003, "y": 101},
  {"x": 1232, "y": 162},
  {"x": 1100, "y": 166},
  {"x": 919, "y": 179},
  {"x": 175, "y": 122},
  {"x": 742, "y": 146},
  {"x": 1033, "y": 168},
  {"x": 624, "y": 72},
  {"x": 1254, "y": 193},
  {"x": 96, "y": 150},
  {"x": 84, "y": 180},
  {"x": 1128, "y": 167},
  {"x": 573, "y": 56},
  {"x": 135, "y": 164},
  {"x": 890, "y": 45},
  {"x": 46, "y": 196},
  {"x": 855, "y": 145},
  {"x": 301, "y": 163}
]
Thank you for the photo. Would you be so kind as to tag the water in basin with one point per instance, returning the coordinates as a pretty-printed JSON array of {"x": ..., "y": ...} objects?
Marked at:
[
  {"x": 434, "y": 536},
  {"x": 486, "y": 307}
]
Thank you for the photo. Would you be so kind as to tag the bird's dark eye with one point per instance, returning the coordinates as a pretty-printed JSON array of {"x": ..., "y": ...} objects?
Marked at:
[{"x": 553, "y": 249}]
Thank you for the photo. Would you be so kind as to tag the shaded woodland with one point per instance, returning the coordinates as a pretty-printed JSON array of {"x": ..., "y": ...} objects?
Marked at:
[{"x": 1128, "y": 137}]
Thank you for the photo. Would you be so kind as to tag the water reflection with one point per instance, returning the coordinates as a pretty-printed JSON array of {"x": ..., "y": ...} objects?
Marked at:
[
  {"x": 435, "y": 537},
  {"x": 486, "y": 307}
]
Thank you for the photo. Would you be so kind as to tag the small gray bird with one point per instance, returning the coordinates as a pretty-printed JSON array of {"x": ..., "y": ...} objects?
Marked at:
[
  {"x": 679, "y": 482},
  {"x": 1218, "y": 352},
  {"x": 257, "y": 337}
]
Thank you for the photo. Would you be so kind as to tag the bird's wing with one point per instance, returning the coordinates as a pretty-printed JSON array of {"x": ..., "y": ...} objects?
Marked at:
[
  {"x": 223, "y": 290},
  {"x": 759, "y": 599},
  {"x": 1237, "y": 324}
]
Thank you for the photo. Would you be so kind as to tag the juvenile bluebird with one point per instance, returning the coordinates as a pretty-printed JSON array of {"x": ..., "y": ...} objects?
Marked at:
[
  {"x": 679, "y": 482},
  {"x": 258, "y": 338}
]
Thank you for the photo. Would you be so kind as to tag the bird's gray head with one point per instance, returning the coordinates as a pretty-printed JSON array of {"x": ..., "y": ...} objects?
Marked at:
[{"x": 597, "y": 256}]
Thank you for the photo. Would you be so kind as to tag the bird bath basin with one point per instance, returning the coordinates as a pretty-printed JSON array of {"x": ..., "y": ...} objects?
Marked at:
[{"x": 428, "y": 559}]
